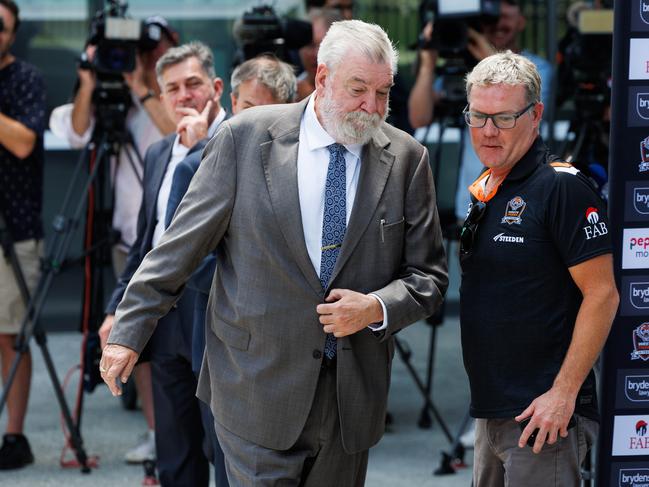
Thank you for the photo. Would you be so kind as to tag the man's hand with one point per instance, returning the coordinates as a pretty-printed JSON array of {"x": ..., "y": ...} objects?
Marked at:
[
  {"x": 348, "y": 312},
  {"x": 135, "y": 79},
  {"x": 478, "y": 45},
  {"x": 550, "y": 413},
  {"x": 87, "y": 77},
  {"x": 194, "y": 125},
  {"x": 104, "y": 330},
  {"x": 116, "y": 362}
]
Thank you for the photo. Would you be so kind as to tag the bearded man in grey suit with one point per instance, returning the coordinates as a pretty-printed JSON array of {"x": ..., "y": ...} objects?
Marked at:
[{"x": 327, "y": 238}]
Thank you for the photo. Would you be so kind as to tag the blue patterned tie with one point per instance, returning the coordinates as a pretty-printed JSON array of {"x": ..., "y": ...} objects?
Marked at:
[{"x": 333, "y": 224}]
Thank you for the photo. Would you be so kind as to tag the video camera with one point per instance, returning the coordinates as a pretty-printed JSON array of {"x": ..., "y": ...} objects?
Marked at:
[
  {"x": 586, "y": 68},
  {"x": 451, "y": 21},
  {"x": 118, "y": 40},
  {"x": 261, "y": 30}
]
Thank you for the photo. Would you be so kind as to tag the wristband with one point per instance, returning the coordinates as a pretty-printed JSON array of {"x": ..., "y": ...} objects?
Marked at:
[{"x": 144, "y": 98}]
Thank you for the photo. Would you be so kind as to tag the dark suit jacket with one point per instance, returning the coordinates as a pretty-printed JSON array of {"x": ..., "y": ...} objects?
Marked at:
[
  {"x": 264, "y": 339},
  {"x": 156, "y": 161}
]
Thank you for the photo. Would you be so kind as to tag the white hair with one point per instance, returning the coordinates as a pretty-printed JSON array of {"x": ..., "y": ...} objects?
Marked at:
[
  {"x": 506, "y": 68},
  {"x": 355, "y": 36}
]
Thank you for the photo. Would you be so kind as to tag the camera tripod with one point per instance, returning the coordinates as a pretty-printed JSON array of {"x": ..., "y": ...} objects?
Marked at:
[
  {"x": 450, "y": 233},
  {"x": 93, "y": 184}
]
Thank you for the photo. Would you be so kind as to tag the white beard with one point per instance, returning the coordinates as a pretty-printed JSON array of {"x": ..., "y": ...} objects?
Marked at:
[{"x": 348, "y": 128}]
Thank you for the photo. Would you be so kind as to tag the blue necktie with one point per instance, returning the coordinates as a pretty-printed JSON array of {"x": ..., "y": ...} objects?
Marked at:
[{"x": 333, "y": 224}]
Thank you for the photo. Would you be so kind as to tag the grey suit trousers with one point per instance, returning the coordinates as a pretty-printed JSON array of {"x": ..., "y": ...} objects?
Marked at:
[{"x": 316, "y": 460}]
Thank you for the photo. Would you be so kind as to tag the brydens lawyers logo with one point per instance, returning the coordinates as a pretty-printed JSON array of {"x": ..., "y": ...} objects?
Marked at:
[
  {"x": 630, "y": 435},
  {"x": 636, "y": 388},
  {"x": 639, "y": 295},
  {"x": 635, "y": 248},
  {"x": 644, "y": 11},
  {"x": 634, "y": 477},
  {"x": 642, "y": 105},
  {"x": 641, "y": 343},
  {"x": 641, "y": 200},
  {"x": 595, "y": 228}
]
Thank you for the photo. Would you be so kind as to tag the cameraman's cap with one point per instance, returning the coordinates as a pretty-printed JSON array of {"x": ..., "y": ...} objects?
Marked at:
[{"x": 159, "y": 21}]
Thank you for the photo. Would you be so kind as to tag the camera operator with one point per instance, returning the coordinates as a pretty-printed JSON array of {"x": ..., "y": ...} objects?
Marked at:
[
  {"x": 22, "y": 123},
  {"x": 148, "y": 122},
  {"x": 426, "y": 92},
  {"x": 321, "y": 19},
  {"x": 344, "y": 7}
]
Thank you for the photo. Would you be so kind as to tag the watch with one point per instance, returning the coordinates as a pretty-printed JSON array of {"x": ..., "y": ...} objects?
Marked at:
[{"x": 146, "y": 96}]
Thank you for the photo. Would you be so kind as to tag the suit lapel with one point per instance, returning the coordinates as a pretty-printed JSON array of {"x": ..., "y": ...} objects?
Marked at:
[
  {"x": 279, "y": 158},
  {"x": 376, "y": 165}
]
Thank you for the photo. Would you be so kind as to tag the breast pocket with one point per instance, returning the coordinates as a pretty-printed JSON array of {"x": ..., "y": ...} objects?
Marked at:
[{"x": 390, "y": 230}]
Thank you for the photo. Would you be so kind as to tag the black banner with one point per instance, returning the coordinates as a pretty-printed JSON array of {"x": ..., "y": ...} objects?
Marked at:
[{"x": 624, "y": 435}]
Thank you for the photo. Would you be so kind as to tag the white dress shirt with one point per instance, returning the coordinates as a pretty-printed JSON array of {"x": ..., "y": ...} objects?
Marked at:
[
  {"x": 178, "y": 153},
  {"x": 312, "y": 166}
]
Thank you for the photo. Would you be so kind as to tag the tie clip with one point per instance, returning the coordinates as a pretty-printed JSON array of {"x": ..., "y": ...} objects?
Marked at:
[{"x": 330, "y": 247}]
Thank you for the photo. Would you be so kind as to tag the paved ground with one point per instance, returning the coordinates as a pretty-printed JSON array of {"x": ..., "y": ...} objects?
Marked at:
[{"x": 405, "y": 457}]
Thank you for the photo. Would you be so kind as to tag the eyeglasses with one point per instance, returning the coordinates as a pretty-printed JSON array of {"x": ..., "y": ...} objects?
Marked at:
[
  {"x": 500, "y": 120},
  {"x": 470, "y": 227}
]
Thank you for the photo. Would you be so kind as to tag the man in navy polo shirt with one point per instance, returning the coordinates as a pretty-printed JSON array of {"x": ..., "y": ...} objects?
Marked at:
[
  {"x": 22, "y": 123},
  {"x": 538, "y": 294}
]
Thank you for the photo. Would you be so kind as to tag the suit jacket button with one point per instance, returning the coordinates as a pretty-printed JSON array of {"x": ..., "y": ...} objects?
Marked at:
[{"x": 317, "y": 354}]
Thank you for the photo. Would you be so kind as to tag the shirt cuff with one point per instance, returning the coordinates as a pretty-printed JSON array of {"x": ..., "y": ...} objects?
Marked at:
[{"x": 380, "y": 326}]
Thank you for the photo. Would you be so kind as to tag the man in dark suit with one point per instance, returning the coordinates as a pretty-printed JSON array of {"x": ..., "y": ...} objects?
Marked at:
[
  {"x": 325, "y": 228},
  {"x": 190, "y": 93}
]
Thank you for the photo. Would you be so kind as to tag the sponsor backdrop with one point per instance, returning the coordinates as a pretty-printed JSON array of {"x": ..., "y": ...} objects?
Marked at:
[{"x": 624, "y": 435}]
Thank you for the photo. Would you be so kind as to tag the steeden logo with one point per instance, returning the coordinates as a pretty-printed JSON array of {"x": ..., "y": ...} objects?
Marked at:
[{"x": 501, "y": 237}]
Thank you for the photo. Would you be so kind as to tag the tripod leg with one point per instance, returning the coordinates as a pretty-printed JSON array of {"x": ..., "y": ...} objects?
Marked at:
[
  {"x": 55, "y": 254},
  {"x": 424, "y": 418},
  {"x": 75, "y": 435},
  {"x": 429, "y": 404}
]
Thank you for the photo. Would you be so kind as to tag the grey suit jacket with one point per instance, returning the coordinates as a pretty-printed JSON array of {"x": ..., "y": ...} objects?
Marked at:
[{"x": 264, "y": 340}]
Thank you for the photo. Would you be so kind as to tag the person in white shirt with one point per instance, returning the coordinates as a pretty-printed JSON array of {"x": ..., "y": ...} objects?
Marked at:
[{"x": 147, "y": 122}]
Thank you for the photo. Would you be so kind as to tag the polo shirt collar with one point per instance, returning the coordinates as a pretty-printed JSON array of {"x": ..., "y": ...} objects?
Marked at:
[{"x": 536, "y": 155}]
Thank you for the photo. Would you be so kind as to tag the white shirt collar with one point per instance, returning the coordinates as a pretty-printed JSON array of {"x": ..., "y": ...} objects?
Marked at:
[
  {"x": 317, "y": 137},
  {"x": 215, "y": 124}
]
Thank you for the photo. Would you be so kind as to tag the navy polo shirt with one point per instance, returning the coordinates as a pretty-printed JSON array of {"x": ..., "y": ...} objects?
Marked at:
[
  {"x": 518, "y": 302},
  {"x": 22, "y": 98}
]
